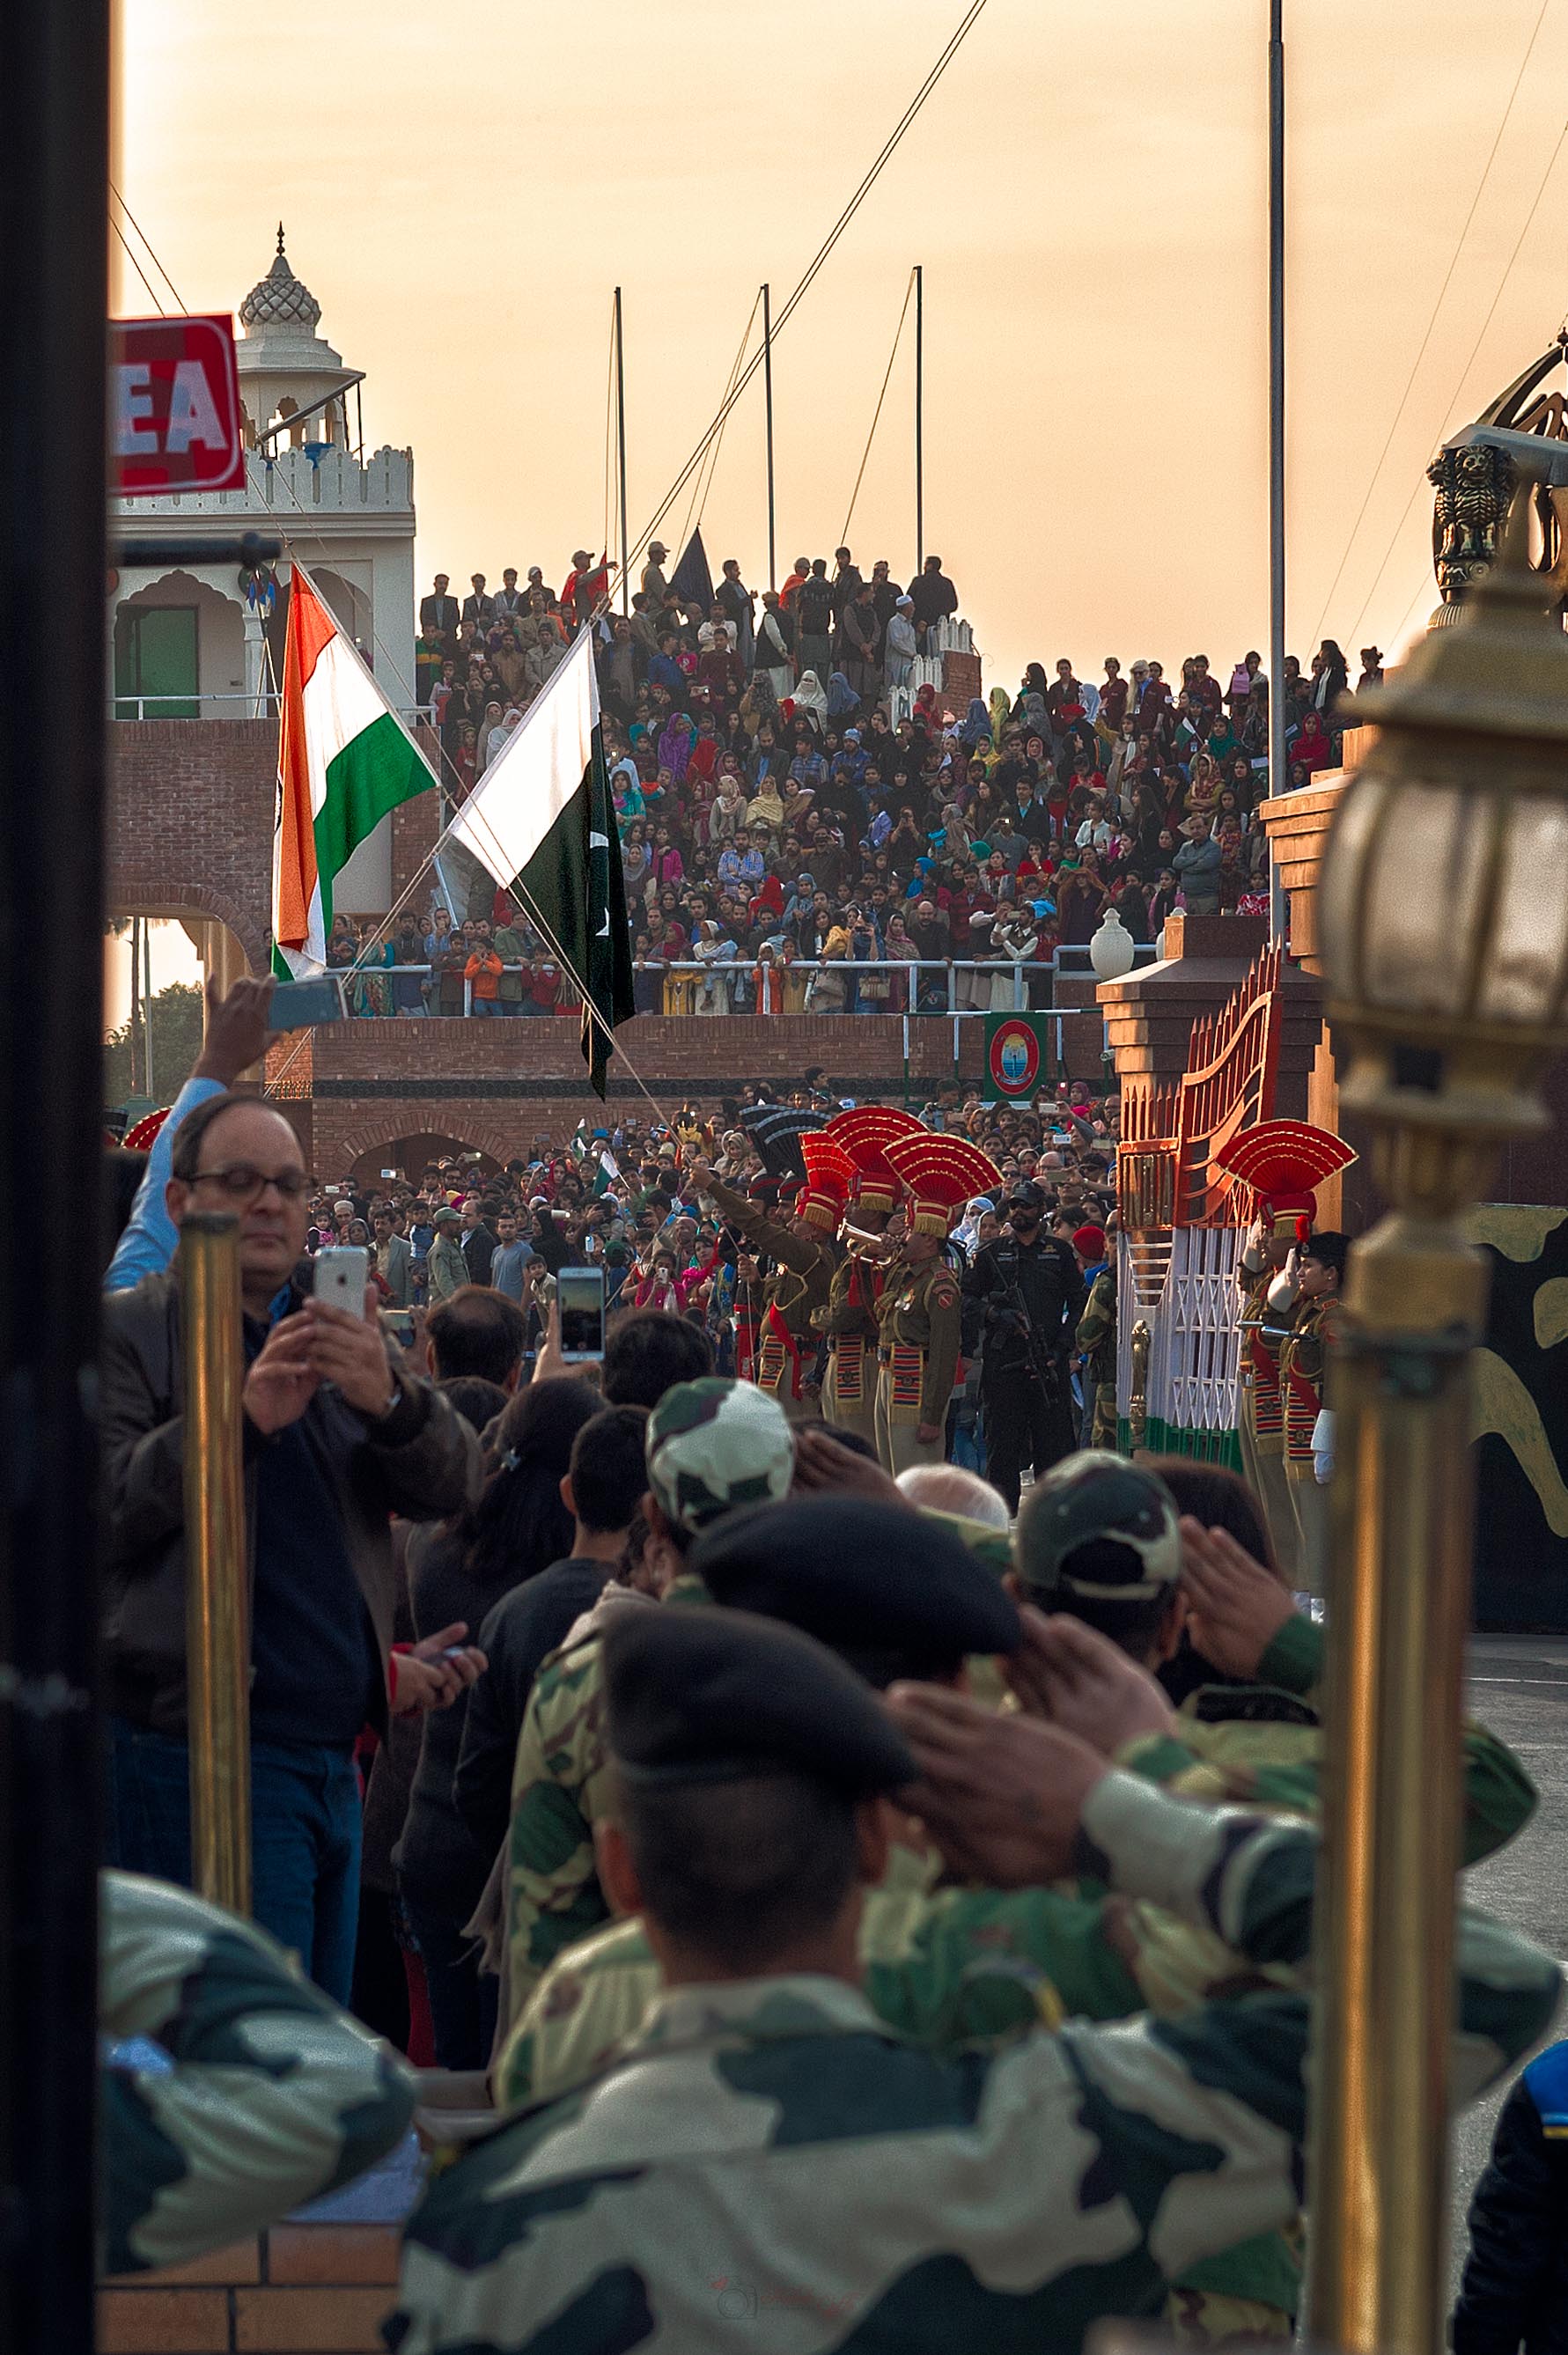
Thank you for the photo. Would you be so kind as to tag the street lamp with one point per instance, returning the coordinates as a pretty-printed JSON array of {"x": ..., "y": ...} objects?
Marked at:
[{"x": 1444, "y": 919}]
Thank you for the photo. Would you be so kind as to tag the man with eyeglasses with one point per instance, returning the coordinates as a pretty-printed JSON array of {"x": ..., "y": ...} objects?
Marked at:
[{"x": 338, "y": 1436}]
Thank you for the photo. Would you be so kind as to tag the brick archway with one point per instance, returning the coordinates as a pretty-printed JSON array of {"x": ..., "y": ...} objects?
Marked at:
[
  {"x": 195, "y": 798},
  {"x": 360, "y": 1134}
]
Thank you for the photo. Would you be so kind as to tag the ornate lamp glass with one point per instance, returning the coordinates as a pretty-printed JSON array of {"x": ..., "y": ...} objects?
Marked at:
[
  {"x": 1112, "y": 951},
  {"x": 1443, "y": 899}
]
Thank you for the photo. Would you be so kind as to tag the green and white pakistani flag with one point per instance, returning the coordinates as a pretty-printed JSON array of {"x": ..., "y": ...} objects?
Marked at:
[{"x": 542, "y": 822}]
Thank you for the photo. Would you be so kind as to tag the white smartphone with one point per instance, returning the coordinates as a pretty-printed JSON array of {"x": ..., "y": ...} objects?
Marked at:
[
  {"x": 580, "y": 1294},
  {"x": 342, "y": 1272}
]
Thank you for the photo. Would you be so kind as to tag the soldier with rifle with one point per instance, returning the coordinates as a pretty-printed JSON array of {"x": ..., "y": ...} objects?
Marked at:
[{"x": 1022, "y": 1298}]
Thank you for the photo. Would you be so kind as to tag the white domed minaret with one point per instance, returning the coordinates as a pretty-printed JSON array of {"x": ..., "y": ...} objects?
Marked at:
[{"x": 286, "y": 370}]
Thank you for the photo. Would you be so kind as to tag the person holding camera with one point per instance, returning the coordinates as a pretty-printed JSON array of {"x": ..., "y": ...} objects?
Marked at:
[{"x": 338, "y": 1436}]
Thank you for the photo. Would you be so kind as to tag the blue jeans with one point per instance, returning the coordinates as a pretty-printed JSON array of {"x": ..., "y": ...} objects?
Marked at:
[
  {"x": 304, "y": 1836},
  {"x": 462, "y": 1999}
]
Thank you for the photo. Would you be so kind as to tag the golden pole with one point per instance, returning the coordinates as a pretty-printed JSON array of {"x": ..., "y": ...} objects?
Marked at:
[
  {"x": 1399, "y": 1609},
  {"x": 1447, "y": 1000},
  {"x": 218, "y": 1637}
]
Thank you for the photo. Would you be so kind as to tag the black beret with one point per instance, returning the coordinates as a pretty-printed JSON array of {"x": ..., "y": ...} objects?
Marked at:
[
  {"x": 891, "y": 1590},
  {"x": 701, "y": 1696}
]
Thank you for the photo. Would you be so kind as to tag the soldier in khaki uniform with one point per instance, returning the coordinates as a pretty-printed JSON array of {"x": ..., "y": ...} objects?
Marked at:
[
  {"x": 849, "y": 1321},
  {"x": 1283, "y": 1161},
  {"x": 1096, "y": 1338},
  {"x": 804, "y": 1257},
  {"x": 1317, "y": 1272},
  {"x": 921, "y": 1310}
]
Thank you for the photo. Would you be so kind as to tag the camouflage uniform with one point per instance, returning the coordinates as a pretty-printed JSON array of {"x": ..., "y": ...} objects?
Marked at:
[
  {"x": 803, "y": 1263},
  {"x": 950, "y": 1966},
  {"x": 712, "y": 1445},
  {"x": 232, "y": 2090},
  {"x": 1096, "y": 1339},
  {"x": 919, "y": 1315},
  {"x": 769, "y": 2149}
]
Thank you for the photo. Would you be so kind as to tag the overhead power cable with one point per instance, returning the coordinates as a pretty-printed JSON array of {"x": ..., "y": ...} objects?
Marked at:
[
  {"x": 1432, "y": 322},
  {"x": 971, "y": 16},
  {"x": 1469, "y": 361}
]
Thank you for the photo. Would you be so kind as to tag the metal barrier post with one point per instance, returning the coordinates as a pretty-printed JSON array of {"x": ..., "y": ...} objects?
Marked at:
[{"x": 217, "y": 1635}]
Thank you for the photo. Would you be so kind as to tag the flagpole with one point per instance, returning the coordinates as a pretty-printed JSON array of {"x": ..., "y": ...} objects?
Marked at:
[
  {"x": 1279, "y": 906},
  {"x": 621, "y": 459},
  {"x": 919, "y": 417},
  {"x": 768, "y": 407}
]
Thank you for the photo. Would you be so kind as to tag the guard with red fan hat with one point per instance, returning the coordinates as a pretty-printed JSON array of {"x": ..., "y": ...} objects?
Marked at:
[
  {"x": 860, "y": 1135},
  {"x": 804, "y": 1255},
  {"x": 921, "y": 1309},
  {"x": 1283, "y": 1162}
]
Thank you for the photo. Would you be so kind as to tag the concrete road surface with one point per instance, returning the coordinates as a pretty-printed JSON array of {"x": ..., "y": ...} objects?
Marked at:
[{"x": 1518, "y": 1686}]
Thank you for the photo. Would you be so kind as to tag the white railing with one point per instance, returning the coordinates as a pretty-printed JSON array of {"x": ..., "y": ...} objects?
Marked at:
[
  {"x": 954, "y": 995},
  {"x": 231, "y": 705}
]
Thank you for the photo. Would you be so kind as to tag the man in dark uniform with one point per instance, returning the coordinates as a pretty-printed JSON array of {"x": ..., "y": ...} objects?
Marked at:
[{"x": 1023, "y": 1297}]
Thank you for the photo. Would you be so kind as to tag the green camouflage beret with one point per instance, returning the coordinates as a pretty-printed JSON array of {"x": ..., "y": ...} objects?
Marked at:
[
  {"x": 714, "y": 1445},
  {"x": 1098, "y": 1528}
]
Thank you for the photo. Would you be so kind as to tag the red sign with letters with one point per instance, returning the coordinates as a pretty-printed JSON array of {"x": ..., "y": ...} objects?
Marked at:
[{"x": 176, "y": 422}]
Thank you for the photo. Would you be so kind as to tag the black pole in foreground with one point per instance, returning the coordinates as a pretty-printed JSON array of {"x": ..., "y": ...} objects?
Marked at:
[
  {"x": 768, "y": 393},
  {"x": 54, "y": 111}
]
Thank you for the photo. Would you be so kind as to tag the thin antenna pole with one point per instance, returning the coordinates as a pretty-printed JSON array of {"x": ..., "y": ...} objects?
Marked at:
[
  {"x": 1278, "y": 902},
  {"x": 620, "y": 454},
  {"x": 148, "y": 1005},
  {"x": 919, "y": 417},
  {"x": 768, "y": 405}
]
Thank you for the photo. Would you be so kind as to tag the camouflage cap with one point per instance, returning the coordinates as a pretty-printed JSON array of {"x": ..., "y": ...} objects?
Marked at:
[
  {"x": 1101, "y": 1501},
  {"x": 714, "y": 1445}
]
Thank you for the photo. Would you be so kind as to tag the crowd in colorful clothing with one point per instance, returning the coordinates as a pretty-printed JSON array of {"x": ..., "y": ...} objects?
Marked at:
[{"x": 807, "y": 821}]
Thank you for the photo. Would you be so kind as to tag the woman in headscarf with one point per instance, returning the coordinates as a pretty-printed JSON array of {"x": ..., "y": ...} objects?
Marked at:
[
  {"x": 926, "y": 714},
  {"x": 712, "y": 951},
  {"x": 842, "y": 701},
  {"x": 811, "y": 700},
  {"x": 676, "y": 740},
  {"x": 1001, "y": 717},
  {"x": 975, "y": 726}
]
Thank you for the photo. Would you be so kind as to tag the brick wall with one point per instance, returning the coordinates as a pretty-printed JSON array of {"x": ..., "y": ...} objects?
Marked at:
[
  {"x": 299, "y": 2289},
  {"x": 492, "y": 1087},
  {"x": 190, "y": 822}
]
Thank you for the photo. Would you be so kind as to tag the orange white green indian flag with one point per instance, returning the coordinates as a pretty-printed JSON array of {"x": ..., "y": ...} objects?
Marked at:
[{"x": 345, "y": 760}]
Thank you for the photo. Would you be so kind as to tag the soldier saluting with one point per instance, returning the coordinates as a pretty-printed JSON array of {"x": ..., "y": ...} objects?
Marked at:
[
  {"x": 921, "y": 1310},
  {"x": 1022, "y": 1298},
  {"x": 803, "y": 1256},
  {"x": 851, "y": 1320}
]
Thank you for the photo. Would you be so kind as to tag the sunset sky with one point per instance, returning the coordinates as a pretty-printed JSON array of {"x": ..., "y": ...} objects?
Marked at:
[{"x": 1085, "y": 189}]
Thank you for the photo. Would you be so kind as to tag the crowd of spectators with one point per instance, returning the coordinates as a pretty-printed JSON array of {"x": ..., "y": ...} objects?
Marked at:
[
  {"x": 633, "y": 1198},
  {"x": 804, "y": 818}
]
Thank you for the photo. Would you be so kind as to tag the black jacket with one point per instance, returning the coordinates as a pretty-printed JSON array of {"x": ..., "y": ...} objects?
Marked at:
[
  {"x": 422, "y": 1461},
  {"x": 1515, "y": 2290},
  {"x": 1047, "y": 1275}
]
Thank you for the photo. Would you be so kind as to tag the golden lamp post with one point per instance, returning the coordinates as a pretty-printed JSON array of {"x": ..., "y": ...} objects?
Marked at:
[
  {"x": 1443, "y": 913},
  {"x": 218, "y": 1640}
]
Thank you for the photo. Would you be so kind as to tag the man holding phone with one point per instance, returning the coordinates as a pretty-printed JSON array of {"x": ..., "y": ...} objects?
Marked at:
[{"x": 338, "y": 1436}]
